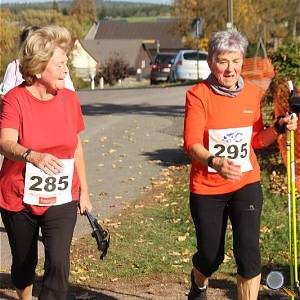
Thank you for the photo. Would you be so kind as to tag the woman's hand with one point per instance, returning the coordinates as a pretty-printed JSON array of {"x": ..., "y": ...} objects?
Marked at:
[
  {"x": 227, "y": 169},
  {"x": 48, "y": 163},
  {"x": 289, "y": 121},
  {"x": 84, "y": 202}
]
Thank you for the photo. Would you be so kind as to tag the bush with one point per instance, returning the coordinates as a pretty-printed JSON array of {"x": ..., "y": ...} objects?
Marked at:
[
  {"x": 114, "y": 69},
  {"x": 286, "y": 61},
  {"x": 79, "y": 83}
]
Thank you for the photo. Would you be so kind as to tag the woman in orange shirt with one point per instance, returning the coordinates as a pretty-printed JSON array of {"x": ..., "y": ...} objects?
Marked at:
[{"x": 223, "y": 124}]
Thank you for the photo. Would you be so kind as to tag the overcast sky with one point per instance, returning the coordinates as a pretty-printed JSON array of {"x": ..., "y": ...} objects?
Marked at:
[{"x": 34, "y": 1}]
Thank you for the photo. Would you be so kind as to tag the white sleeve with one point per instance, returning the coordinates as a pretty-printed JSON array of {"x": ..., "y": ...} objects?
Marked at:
[
  {"x": 9, "y": 80},
  {"x": 68, "y": 83}
]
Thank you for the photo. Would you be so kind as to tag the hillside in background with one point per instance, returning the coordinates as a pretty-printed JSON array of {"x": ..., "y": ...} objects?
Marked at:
[
  {"x": 65, "y": 4},
  {"x": 78, "y": 16}
]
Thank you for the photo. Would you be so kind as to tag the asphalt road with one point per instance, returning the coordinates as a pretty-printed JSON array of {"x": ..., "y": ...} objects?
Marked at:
[{"x": 130, "y": 136}]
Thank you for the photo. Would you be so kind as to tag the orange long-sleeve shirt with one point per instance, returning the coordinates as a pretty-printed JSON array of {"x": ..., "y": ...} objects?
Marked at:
[{"x": 226, "y": 126}]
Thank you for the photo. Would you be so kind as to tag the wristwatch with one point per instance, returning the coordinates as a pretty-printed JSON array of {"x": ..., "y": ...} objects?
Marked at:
[
  {"x": 26, "y": 154},
  {"x": 210, "y": 161}
]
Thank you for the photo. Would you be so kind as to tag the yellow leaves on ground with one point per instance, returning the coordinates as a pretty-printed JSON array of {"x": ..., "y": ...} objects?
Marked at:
[
  {"x": 182, "y": 238},
  {"x": 265, "y": 229},
  {"x": 112, "y": 151}
]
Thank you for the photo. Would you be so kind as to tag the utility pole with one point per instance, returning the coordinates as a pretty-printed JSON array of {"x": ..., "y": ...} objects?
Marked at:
[
  {"x": 198, "y": 33},
  {"x": 229, "y": 24},
  {"x": 197, "y": 28}
]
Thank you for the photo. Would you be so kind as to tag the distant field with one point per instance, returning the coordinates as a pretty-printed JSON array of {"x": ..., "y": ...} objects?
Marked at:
[{"x": 143, "y": 19}]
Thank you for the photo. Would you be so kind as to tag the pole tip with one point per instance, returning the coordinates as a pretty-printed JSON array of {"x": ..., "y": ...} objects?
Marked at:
[{"x": 290, "y": 85}]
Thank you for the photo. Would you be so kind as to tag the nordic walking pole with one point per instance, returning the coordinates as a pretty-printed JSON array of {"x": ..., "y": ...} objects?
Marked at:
[
  {"x": 275, "y": 279},
  {"x": 290, "y": 225},
  {"x": 293, "y": 247},
  {"x": 292, "y": 199},
  {"x": 294, "y": 212}
]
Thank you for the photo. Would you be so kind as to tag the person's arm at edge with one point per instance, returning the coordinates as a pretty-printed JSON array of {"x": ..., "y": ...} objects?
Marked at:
[
  {"x": 84, "y": 203},
  {"x": 265, "y": 136},
  {"x": 69, "y": 83},
  {"x": 9, "y": 79},
  {"x": 268, "y": 136}
]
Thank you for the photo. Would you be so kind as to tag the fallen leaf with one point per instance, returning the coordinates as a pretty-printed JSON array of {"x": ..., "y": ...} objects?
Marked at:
[
  {"x": 138, "y": 206},
  {"x": 265, "y": 229},
  {"x": 83, "y": 278},
  {"x": 181, "y": 238}
]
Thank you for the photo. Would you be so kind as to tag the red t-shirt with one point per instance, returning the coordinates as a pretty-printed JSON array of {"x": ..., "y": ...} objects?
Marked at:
[
  {"x": 44, "y": 126},
  {"x": 208, "y": 114}
]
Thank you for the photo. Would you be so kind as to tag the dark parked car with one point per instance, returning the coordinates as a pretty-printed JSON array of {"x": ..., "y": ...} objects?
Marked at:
[{"x": 161, "y": 67}]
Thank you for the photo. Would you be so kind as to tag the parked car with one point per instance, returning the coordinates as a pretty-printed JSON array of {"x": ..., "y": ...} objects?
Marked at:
[
  {"x": 161, "y": 67},
  {"x": 190, "y": 65}
]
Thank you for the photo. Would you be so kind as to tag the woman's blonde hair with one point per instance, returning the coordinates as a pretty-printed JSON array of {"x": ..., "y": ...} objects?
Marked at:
[{"x": 38, "y": 49}]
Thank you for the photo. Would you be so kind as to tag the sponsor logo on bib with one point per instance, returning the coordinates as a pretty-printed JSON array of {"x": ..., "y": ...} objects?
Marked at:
[{"x": 47, "y": 201}]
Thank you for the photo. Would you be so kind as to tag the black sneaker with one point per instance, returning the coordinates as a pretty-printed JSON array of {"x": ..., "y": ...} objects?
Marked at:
[{"x": 195, "y": 292}]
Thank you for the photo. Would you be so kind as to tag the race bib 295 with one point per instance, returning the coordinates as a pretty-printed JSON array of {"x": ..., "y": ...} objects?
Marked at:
[{"x": 231, "y": 143}]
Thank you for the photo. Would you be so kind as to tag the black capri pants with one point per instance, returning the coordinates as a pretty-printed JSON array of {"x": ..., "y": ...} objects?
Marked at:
[
  {"x": 210, "y": 214},
  {"x": 57, "y": 226}
]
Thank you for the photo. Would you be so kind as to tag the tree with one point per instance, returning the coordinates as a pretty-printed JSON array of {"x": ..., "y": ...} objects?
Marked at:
[
  {"x": 9, "y": 34},
  {"x": 55, "y": 6},
  {"x": 44, "y": 17},
  {"x": 254, "y": 18},
  {"x": 84, "y": 9},
  {"x": 212, "y": 12}
]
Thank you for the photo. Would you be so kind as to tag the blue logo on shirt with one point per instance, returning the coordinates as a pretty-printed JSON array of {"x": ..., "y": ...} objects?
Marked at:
[{"x": 235, "y": 137}]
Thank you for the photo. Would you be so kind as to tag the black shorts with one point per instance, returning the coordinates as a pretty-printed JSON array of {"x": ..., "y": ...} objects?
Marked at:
[
  {"x": 210, "y": 214},
  {"x": 57, "y": 226}
]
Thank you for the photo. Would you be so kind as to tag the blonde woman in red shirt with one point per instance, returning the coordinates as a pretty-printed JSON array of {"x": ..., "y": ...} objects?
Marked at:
[
  {"x": 43, "y": 178},
  {"x": 223, "y": 124}
]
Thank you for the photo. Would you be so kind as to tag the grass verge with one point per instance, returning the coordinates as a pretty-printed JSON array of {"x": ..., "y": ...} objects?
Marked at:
[
  {"x": 152, "y": 236},
  {"x": 155, "y": 236}
]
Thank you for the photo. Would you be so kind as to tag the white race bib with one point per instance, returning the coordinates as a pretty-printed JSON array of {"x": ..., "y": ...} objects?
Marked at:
[
  {"x": 231, "y": 143},
  {"x": 44, "y": 190}
]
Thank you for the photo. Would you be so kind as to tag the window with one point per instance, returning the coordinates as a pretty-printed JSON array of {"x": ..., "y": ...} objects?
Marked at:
[
  {"x": 194, "y": 55},
  {"x": 164, "y": 59}
]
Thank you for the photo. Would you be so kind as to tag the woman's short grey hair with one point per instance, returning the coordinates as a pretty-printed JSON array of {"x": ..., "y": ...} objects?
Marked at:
[
  {"x": 38, "y": 48},
  {"x": 226, "y": 41}
]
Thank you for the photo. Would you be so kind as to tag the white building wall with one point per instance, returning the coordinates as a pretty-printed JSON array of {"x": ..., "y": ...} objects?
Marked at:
[{"x": 83, "y": 64}]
